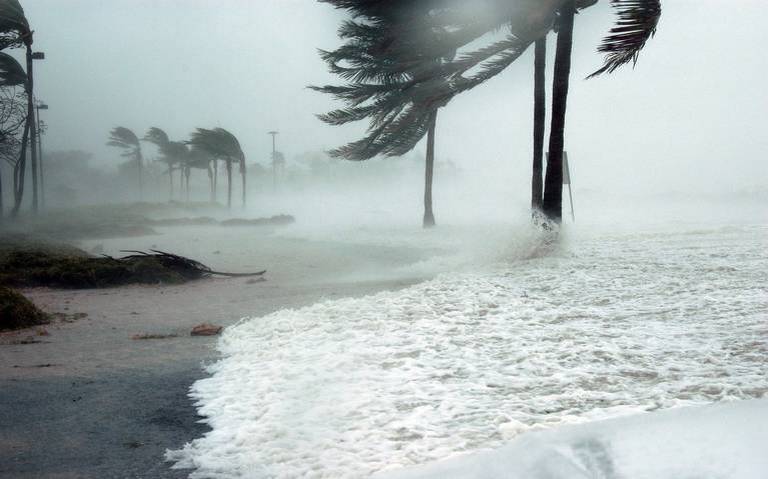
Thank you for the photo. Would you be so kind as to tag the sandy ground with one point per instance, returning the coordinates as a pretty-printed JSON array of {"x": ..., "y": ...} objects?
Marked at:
[{"x": 87, "y": 400}]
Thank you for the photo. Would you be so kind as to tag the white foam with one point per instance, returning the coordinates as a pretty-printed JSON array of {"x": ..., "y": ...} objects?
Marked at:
[{"x": 615, "y": 324}]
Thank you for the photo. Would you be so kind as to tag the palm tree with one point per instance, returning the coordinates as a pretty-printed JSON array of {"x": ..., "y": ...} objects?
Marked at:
[
  {"x": 12, "y": 75},
  {"x": 127, "y": 140},
  {"x": 381, "y": 75},
  {"x": 160, "y": 139},
  {"x": 14, "y": 32},
  {"x": 222, "y": 145}
]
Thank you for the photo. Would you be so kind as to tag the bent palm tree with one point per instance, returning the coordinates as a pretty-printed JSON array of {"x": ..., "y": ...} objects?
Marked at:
[
  {"x": 382, "y": 75},
  {"x": 127, "y": 140},
  {"x": 15, "y": 32},
  {"x": 160, "y": 139},
  {"x": 13, "y": 75},
  {"x": 223, "y": 145}
]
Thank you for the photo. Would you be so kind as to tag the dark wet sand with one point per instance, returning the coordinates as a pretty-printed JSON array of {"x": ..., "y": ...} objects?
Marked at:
[{"x": 90, "y": 402}]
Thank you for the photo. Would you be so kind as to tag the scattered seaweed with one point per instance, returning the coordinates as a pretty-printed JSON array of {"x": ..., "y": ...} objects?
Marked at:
[{"x": 73, "y": 268}]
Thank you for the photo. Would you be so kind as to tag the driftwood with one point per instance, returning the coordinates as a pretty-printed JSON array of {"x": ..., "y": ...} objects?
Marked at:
[{"x": 188, "y": 268}]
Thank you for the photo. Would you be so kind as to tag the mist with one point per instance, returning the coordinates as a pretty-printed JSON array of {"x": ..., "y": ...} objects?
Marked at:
[{"x": 213, "y": 305}]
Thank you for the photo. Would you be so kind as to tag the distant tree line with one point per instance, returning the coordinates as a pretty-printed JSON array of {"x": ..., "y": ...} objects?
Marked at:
[{"x": 204, "y": 150}]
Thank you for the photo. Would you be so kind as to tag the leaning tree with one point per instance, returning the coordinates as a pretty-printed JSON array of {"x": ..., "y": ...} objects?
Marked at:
[
  {"x": 16, "y": 32},
  {"x": 127, "y": 140},
  {"x": 222, "y": 145},
  {"x": 380, "y": 76},
  {"x": 13, "y": 119}
]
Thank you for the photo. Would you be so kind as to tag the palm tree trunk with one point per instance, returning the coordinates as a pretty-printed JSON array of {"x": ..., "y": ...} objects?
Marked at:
[
  {"x": 18, "y": 172},
  {"x": 140, "y": 166},
  {"x": 539, "y": 121},
  {"x": 2, "y": 211},
  {"x": 553, "y": 183},
  {"x": 429, "y": 217},
  {"x": 229, "y": 183},
  {"x": 215, "y": 180},
  {"x": 187, "y": 171},
  {"x": 32, "y": 127},
  {"x": 210, "y": 181},
  {"x": 170, "y": 175}
]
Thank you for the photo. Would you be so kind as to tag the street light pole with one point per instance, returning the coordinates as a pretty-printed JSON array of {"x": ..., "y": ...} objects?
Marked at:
[
  {"x": 40, "y": 126},
  {"x": 274, "y": 160}
]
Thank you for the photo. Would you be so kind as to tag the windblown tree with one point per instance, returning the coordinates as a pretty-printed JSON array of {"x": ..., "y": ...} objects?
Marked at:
[
  {"x": 220, "y": 144},
  {"x": 127, "y": 140},
  {"x": 13, "y": 119},
  {"x": 15, "y": 32},
  {"x": 174, "y": 154},
  {"x": 381, "y": 77},
  {"x": 200, "y": 160}
]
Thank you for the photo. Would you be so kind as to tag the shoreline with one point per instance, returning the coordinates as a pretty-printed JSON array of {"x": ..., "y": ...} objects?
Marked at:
[{"x": 90, "y": 401}]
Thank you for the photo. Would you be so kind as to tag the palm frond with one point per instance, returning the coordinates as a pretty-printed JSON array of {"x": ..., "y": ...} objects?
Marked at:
[
  {"x": 636, "y": 25},
  {"x": 157, "y": 136},
  {"x": 11, "y": 72},
  {"x": 14, "y": 27},
  {"x": 123, "y": 138}
]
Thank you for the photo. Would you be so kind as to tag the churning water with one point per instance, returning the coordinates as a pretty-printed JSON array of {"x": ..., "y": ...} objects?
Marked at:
[{"x": 606, "y": 325}]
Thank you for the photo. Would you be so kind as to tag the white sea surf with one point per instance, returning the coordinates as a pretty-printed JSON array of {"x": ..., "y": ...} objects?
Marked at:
[{"x": 609, "y": 324}]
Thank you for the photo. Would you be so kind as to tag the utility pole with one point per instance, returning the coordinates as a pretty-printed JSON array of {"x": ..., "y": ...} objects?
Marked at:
[
  {"x": 274, "y": 160},
  {"x": 40, "y": 127}
]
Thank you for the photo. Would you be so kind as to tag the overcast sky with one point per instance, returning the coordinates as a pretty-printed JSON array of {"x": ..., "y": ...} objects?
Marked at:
[{"x": 691, "y": 115}]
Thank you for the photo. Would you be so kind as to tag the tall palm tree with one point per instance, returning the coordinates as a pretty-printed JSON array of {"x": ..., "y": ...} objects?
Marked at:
[
  {"x": 127, "y": 140},
  {"x": 14, "y": 32},
  {"x": 223, "y": 145}
]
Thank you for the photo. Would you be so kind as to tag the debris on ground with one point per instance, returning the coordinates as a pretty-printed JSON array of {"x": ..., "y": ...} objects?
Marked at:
[
  {"x": 33, "y": 265},
  {"x": 206, "y": 329},
  {"x": 153, "y": 336}
]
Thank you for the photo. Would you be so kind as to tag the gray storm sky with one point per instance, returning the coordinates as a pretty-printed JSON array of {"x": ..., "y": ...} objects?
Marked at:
[{"x": 690, "y": 117}]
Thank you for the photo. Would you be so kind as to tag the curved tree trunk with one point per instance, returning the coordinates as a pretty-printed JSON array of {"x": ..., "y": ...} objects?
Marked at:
[
  {"x": 229, "y": 183},
  {"x": 170, "y": 175},
  {"x": 32, "y": 127},
  {"x": 429, "y": 217},
  {"x": 553, "y": 183},
  {"x": 539, "y": 123}
]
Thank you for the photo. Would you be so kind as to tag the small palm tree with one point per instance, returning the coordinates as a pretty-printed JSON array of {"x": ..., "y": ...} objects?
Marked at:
[
  {"x": 127, "y": 140},
  {"x": 220, "y": 144}
]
